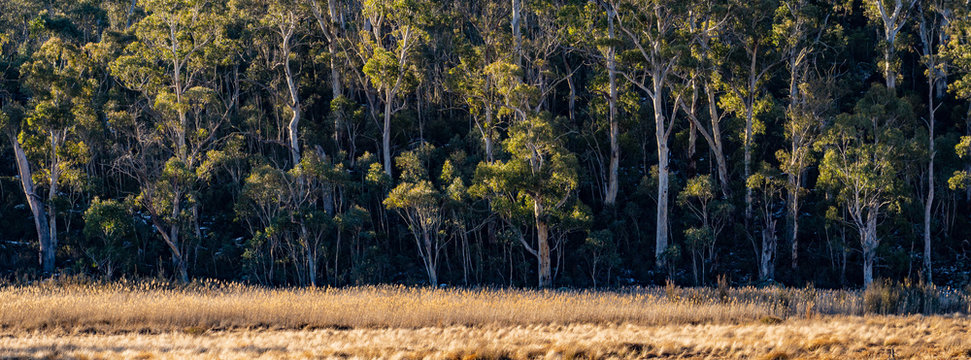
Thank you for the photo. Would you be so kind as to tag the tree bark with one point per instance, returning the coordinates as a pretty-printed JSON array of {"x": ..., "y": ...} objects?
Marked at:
[
  {"x": 716, "y": 138},
  {"x": 794, "y": 184},
  {"x": 769, "y": 244},
  {"x": 868, "y": 236},
  {"x": 661, "y": 238},
  {"x": 45, "y": 256},
  {"x": 543, "y": 247},
  {"x": 386, "y": 132},
  {"x": 517, "y": 9},
  {"x": 612, "y": 182}
]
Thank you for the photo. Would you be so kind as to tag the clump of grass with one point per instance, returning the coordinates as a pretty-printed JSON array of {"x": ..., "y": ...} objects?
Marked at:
[{"x": 889, "y": 297}]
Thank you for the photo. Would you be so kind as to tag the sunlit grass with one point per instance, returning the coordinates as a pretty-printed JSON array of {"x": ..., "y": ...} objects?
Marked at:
[{"x": 228, "y": 320}]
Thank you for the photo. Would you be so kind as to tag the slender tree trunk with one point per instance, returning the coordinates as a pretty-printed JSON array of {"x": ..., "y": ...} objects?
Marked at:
[
  {"x": 612, "y": 182},
  {"x": 747, "y": 140},
  {"x": 487, "y": 134},
  {"x": 887, "y": 67},
  {"x": 769, "y": 243},
  {"x": 517, "y": 9},
  {"x": 716, "y": 137},
  {"x": 45, "y": 255},
  {"x": 661, "y": 239},
  {"x": 794, "y": 183},
  {"x": 543, "y": 246},
  {"x": 178, "y": 258},
  {"x": 386, "y": 133},
  {"x": 430, "y": 263},
  {"x": 868, "y": 236},
  {"x": 929, "y": 201}
]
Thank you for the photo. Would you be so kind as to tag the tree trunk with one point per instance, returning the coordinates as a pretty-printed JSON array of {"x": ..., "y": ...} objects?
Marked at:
[
  {"x": 716, "y": 137},
  {"x": 929, "y": 201},
  {"x": 868, "y": 236},
  {"x": 769, "y": 243},
  {"x": 178, "y": 261},
  {"x": 174, "y": 242},
  {"x": 661, "y": 239},
  {"x": 887, "y": 67},
  {"x": 612, "y": 182},
  {"x": 794, "y": 218},
  {"x": 45, "y": 256},
  {"x": 543, "y": 246},
  {"x": 430, "y": 262},
  {"x": 517, "y": 9},
  {"x": 386, "y": 133}
]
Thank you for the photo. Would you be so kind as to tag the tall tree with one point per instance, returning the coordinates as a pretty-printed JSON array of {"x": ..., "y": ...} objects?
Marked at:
[
  {"x": 797, "y": 32},
  {"x": 748, "y": 71},
  {"x": 652, "y": 29},
  {"x": 704, "y": 74},
  {"x": 61, "y": 107},
  {"x": 892, "y": 15},
  {"x": 177, "y": 45},
  {"x": 397, "y": 29},
  {"x": 770, "y": 189},
  {"x": 862, "y": 161},
  {"x": 930, "y": 30},
  {"x": 538, "y": 178}
]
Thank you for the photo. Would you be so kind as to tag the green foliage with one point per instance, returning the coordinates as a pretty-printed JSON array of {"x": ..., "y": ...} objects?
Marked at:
[
  {"x": 109, "y": 238},
  {"x": 183, "y": 108}
]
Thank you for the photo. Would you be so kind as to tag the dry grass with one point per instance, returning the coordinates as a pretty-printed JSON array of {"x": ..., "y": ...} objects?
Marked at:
[
  {"x": 226, "y": 321},
  {"x": 833, "y": 337}
]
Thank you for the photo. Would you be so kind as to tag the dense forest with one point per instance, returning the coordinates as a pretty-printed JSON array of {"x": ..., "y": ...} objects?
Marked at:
[{"x": 504, "y": 143}]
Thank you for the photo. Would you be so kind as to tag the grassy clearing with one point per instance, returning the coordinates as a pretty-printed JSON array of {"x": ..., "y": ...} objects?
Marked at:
[{"x": 215, "y": 320}]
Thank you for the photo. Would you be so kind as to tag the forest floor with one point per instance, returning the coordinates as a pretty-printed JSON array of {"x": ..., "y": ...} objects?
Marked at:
[{"x": 231, "y": 321}]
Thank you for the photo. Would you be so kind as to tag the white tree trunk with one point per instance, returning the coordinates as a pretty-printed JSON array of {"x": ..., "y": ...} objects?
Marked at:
[
  {"x": 386, "y": 133},
  {"x": 870, "y": 241},
  {"x": 613, "y": 172},
  {"x": 661, "y": 238},
  {"x": 45, "y": 255},
  {"x": 767, "y": 258},
  {"x": 543, "y": 247}
]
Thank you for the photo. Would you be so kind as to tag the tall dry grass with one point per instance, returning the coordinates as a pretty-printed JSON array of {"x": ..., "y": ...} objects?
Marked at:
[
  {"x": 154, "y": 306},
  {"x": 829, "y": 337}
]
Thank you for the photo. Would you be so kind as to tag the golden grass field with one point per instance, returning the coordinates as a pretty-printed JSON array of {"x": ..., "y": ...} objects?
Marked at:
[{"x": 229, "y": 321}]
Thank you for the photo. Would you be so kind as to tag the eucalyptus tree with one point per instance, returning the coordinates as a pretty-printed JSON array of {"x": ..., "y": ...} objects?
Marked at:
[
  {"x": 653, "y": 33},
  {"x": 930, "y": 30},
  {"x": 892, "y": 16},
  {"x": 397, "y": 30},
  {"x": 16, "y": 45},
  {"x": 863, "y": 153},
  {"x": 171, "y": 64},
  {"x": 704, "y": 72},
  {"x": 280, "y": 25},
  {"x": 539, "y": 177},
  {"x": 769, "y": 187},
  {"x": 470, "y": 78},
  {"x": 957, "y": 52},
  {"x": 797, "y": 34},
  {"x": 60, "y": 110},
  {"x": 592, "y": 30},
  {"x": 748, "y": 71},
  {"x": 423, "y": 205},
  {"x": 713, "y": 214},
  {"x": 332, "y": 25}
]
